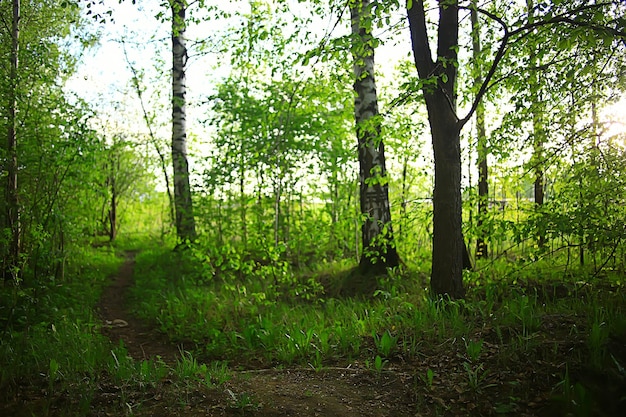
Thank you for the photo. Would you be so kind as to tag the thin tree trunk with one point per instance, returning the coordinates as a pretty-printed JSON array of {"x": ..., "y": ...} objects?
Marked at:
[
  {"x": 277, "y": 213},
  {"x": 113, "y": 212},
  {"x": 482, "y": 250},
  {"x": 538, "y": 129},
  {"x": 11, "y": 266},
  {"x": 185, "y": 223},
  {"x": 152, "y": 136},
  {"x": 404, "y": 196},
  {"x": 449, "y": 250},
  {"x": 379, "y": 251},
  {"x": 243, "y": 201}
]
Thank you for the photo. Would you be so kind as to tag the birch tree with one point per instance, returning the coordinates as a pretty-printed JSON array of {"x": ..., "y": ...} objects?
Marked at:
[
  {"x": 185, "y": 223},
  {"x": 379, "y": 251}
]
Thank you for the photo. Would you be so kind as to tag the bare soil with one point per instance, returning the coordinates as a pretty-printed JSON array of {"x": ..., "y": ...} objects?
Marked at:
[{"x": 142, "y": 341}]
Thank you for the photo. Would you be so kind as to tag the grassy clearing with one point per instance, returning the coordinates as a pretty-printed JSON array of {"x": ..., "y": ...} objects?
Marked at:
[
  {"x": 537, "y": 341},
  {"x": 530, "y": 337}
]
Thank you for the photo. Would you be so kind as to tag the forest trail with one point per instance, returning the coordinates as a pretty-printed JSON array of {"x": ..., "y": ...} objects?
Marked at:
[
  {"x": 141, "y": 341},
  {"x": 266, "y": 392}
]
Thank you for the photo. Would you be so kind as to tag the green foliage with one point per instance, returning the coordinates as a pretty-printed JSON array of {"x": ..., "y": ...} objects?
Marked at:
[
  {"x": 473, "y": 349},
  {"x": 385, "y": 343},
  {"x": 239, "y": 324},
  {"x": 52, "y": 330},
  {"x": 191, "y": 372},
  {"x": 476, "y": 376},
  {"x": 428, "y": 378},
  {"x": 574, "y": 397}
]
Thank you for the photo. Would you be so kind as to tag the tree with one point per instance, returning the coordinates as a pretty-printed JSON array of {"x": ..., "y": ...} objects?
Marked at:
[
  {"x": 439, "y": 79},
  {"x": 565, "y": 56},
  {"x": 126, "y": 173},
  {"x": 482, "y": 250},
  {"x": 12, "y": 216},
  {"x": 379, "y": 251},
  {"x": 185, "y": 223},
  {"x": 438, "y": 86},
  {"x": 538, "y": 128},
  {"x": 149, "y": 120}
]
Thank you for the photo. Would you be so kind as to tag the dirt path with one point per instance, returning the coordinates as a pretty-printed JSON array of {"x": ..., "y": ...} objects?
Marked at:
[{"x": 141, "y": 341}]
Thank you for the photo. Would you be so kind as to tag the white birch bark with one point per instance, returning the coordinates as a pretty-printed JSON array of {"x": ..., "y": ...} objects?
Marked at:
[
  {"x": 378, "y": 247},
  {"x": 185, "y": 224}
]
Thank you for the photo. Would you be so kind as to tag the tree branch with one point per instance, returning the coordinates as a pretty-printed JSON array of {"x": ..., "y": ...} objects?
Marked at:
[
  {"x": 494, "y": 65},
  {"x": 419, "y": 39},
  {"x": 524, "y": 31}
]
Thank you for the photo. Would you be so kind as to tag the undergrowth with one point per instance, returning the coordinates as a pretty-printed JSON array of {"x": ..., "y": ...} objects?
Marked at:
[
  {"x": 54, "y": 359},
  {"x": 535, "y": 316},
  {"x": 536, "y": 335}
]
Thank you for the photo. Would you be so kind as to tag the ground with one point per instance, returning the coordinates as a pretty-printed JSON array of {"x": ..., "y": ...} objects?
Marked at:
[
  {"x": 439, "y": 381},
  {"x": 349, "y": 391}
]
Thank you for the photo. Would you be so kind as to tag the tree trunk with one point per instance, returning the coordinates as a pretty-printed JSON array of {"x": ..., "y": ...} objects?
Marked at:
[
  {"x": 379, "y": 251},
  {"x": 538, "y": 129},
  {"x": 482, "y": 250},
  {"x": 185, "y": 223},
  {"x": 113, "y": 212},
  {"x": 114, "y": 170},
  {"x": 11, "y": 265},
  {"x": 404, "y": 196},
  {"x": 449, "y": 251},
  {"x": 243, "y": 199},
  {"x": 153, "y": 140}
]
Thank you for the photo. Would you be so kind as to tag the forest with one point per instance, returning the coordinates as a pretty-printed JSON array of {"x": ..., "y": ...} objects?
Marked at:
[{"x": 313, "y": 208}]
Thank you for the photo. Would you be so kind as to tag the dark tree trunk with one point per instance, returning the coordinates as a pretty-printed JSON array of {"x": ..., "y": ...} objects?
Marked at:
[
  {"x": 113, "y": 209},
  {"x": 538, "y": 129},
  {"x": 12, "y": 216},
  {"x": 482, "y": 250},
  {"x": 449, "y": 251},
  {"x": 185, "y": 223},
  {"x": 379, "y": 251}
]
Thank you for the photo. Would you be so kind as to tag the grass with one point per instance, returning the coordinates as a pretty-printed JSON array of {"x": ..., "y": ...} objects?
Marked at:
[
  {"x": 271, "y": 316},
  {"x": 50, "y": 328},
  {"x": 50, "y": 340},
  {"x": 51, "y": 349},
  {"x": 500, "y": 325}
]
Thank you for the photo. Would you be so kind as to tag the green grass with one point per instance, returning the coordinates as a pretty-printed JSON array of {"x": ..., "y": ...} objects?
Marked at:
[
  {"x": 51, "y": 345},
  {"x": 50, "y": 328},
  {"x": 502, "y": 324},
  {"x": 252, "y": 314},
  {"x": 234, "y": 317}
]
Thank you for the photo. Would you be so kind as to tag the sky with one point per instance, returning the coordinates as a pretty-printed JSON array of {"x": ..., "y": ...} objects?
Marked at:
[{"x": 104, "y": 71}]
